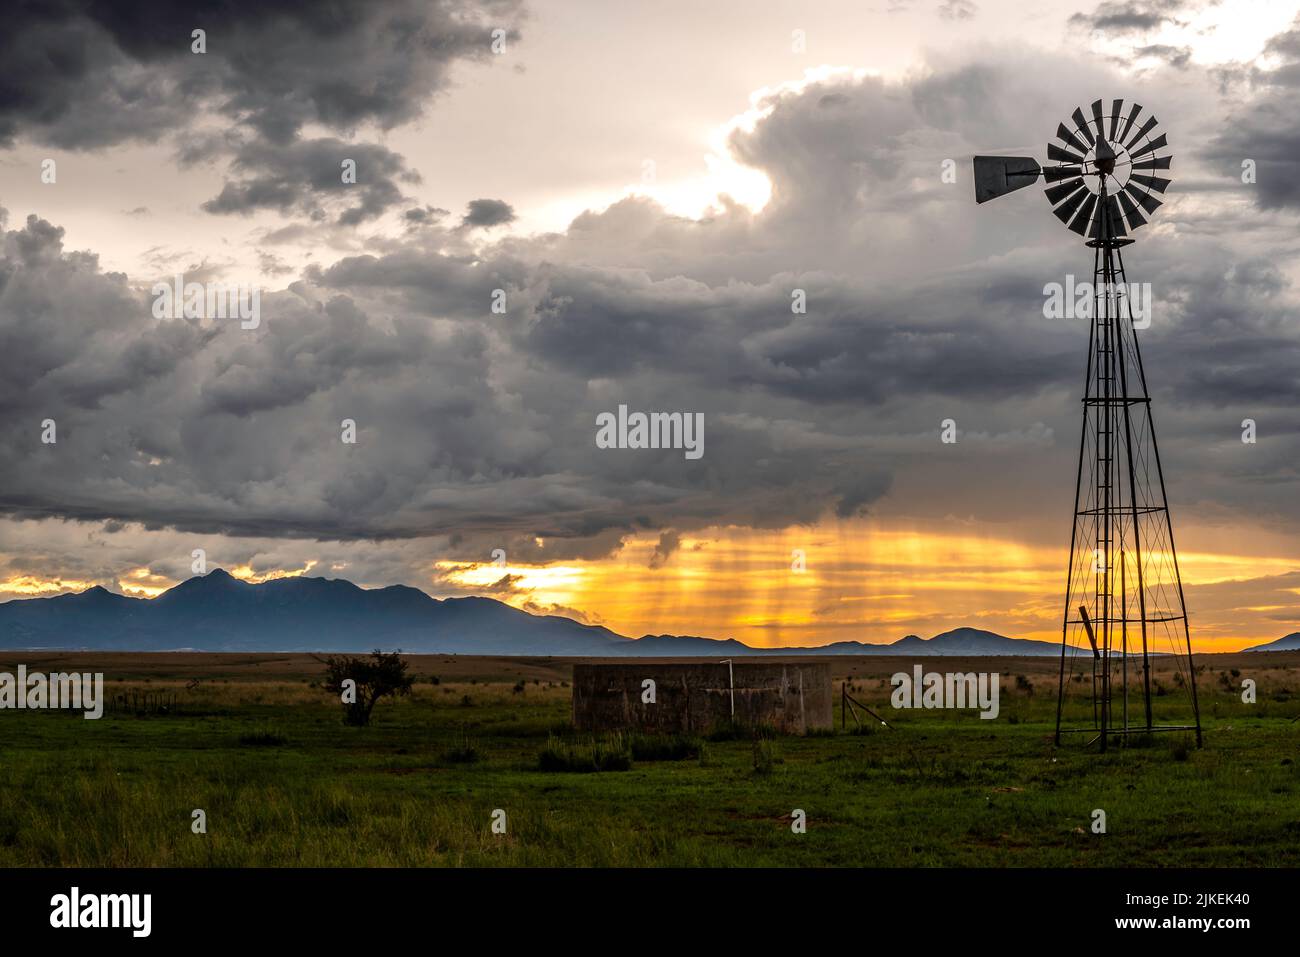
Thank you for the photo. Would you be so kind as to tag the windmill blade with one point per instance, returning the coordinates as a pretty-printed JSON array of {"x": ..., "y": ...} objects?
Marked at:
[
  {"x": 1055, "y": 152},
  {"x": 1066, "y": 210},
  {"x": 1145, "y": 200},
  {"x": 1151, "y": 182},
  {"x": 998, "y": 175},
  {"x": 1063, "y": 190},
  {"x": 1115, "y": 109},
  {"x": 1080, "y": 222},
  {"x": 1054, "y": 174},
  {"x": 1081, "y": 125},
  {"x": 1097, "y": 118},
  {"x": 1146, "y": 128},
  {"x": 1128, "y": 123},
  {"x": 1158, "y": 143},
  {"x": 1131, "y": 212},
  {"x": 1159, "y": 162},
  {"x": 1063, "y": 133}
]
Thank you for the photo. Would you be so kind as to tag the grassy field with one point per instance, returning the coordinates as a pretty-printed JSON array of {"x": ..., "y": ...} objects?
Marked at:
[{"x": 253, "y": 742}]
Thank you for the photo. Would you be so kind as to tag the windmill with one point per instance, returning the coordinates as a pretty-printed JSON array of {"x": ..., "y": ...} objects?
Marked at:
[{"x": 1124, "y": 594}]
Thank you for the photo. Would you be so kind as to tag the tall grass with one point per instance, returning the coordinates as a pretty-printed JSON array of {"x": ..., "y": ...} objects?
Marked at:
[{"x": 609, "y": 753}]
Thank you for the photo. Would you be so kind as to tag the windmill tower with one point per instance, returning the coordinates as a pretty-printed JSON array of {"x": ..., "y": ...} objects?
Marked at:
[{"x": 1124, "y": 594}]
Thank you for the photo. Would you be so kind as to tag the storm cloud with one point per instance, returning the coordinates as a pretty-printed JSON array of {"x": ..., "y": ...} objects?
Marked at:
[
  {"x": 82, "y": 75},
  {"x": 824, "y": 337}
]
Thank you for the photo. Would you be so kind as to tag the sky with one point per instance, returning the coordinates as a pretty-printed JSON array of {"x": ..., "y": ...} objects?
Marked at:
[{"x": 560, "y": 208}]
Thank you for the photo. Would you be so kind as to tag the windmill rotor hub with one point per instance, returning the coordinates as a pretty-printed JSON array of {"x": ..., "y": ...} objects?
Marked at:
[{"x": 1103, "y": 157}]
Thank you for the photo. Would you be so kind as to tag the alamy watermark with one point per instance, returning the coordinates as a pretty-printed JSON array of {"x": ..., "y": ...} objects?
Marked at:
[
  {"x": 651, "y": 430},
  {"x": 208, "y": 300},
  {"x": 1076, "y": 300},
  {"x": 933, "y": 690},
  {"x": 73, "y": 691},
  {"x": 75, "y": 909}
]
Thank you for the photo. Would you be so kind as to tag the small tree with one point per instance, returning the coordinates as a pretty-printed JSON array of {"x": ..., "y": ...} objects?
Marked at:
[{"x": 372, "y": 678}]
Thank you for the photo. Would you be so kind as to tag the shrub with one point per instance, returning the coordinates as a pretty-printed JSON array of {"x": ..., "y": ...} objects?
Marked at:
[{"x": 361, "y": 682}]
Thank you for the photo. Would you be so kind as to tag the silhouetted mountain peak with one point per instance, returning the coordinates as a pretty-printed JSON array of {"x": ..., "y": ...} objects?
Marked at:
[
  {"x": 217, "y": 578},
  {"x": 96, "y": 595},
  {"x": 1290, "y": 642}
]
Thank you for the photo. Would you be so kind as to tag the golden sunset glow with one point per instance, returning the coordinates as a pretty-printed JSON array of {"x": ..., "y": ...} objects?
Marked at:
[
  {"x": 872, "y": 580},
  {"x": 245, "y": 573},
  {"x": 31, "y": 586},
  {"x": 143, "y": 583},
  {"x": 861, "y": 580}
]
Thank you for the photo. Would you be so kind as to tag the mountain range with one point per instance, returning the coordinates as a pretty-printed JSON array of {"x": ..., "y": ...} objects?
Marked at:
[
  {"x": 218, "y": 612},
  {"x": 1290, "y": 642}
]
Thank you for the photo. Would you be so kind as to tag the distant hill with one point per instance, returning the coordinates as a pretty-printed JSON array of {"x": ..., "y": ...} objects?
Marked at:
[
  {"x": 971, "y": 641},
  {"x": 218, "y": 612},
  {"x": 1290, "y": 643}
]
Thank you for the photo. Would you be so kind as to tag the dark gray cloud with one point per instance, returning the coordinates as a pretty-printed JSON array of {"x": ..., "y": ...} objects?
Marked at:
[
  {"x": 1266, "y": 129},
  {"x": 487, "y": 213},
  {"x": 669, "y": 541},
  {"x": 1177, "y": 57},
  {"x": 65, "y": 81},
  {"x": 1119, "y": 17},
  {"x": 307, "y": 177},
  {"x": 81, "y": 74},
  {"x": 423, "y": 215}
]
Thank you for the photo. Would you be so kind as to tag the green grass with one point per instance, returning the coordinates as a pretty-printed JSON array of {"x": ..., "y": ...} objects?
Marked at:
[{"x": 283, "y": 782}]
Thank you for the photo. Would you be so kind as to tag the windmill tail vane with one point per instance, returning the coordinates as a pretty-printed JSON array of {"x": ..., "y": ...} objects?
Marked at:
[{"x": 1124, "y": 613}]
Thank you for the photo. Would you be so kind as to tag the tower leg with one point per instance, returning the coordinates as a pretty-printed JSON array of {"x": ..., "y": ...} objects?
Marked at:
[{"x": 1121, "y": 514}]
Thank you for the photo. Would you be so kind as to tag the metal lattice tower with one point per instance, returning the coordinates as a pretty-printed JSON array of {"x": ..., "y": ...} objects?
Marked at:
[{"x": 1124, "y": 593}]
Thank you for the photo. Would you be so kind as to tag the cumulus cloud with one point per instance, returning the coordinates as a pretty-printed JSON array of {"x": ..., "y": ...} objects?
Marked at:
[
  {"x": 669, "y": 541},
  {"x": 1266, "y": 129},
  {"x": 487, "y": 213},
  {"x": 91, "y": 75},
  {"x": 308, "y": 177},
  {"x": 81, "y": 75},
  {"x": 1132, "y": 16}
]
